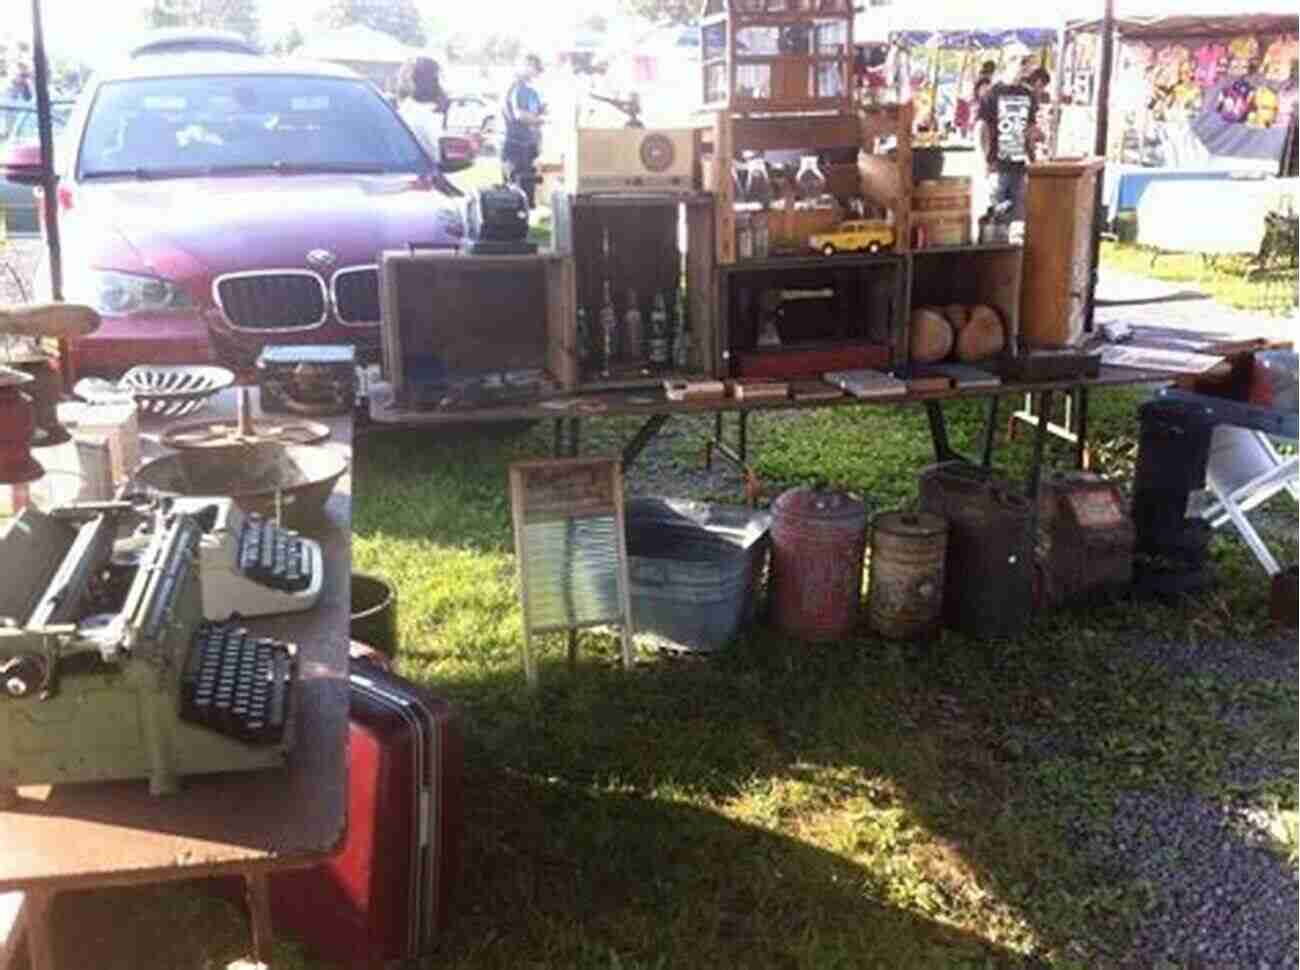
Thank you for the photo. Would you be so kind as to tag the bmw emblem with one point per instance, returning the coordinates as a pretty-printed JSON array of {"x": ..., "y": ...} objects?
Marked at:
[{"x": 322, "y": 260}]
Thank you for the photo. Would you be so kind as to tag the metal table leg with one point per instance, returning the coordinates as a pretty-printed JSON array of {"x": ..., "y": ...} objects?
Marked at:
[
  {"x": 1082, "y": 453},
  {"x": 642, "y": 438},
  {"x": 990, "y": 431},
  {"x": 1045, "y": 402}
]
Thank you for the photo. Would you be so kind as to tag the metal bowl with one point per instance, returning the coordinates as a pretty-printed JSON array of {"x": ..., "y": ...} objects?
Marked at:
[{"x": 269, "y": 478}]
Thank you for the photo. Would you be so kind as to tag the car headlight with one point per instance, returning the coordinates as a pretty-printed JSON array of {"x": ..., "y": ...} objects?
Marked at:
[{"x": 114, "y": 294}]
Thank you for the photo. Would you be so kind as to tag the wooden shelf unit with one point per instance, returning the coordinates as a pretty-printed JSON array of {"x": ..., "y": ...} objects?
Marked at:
[
  {"x": 471, "y": 315},
  {"x": 644, "y": 233},
  {"x": 987, "y": 274},
  {"x": 777, "y": 55},
  {"x": 838, "y": 311},
  {"x": 851, "y": 137}
]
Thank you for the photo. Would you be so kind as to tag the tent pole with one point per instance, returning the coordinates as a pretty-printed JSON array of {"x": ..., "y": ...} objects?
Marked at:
[
  {"x": 49, "y": 181},
  {"x": 1099, "y": 147}
]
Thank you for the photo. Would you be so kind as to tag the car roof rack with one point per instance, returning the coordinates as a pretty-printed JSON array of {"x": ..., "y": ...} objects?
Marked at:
[{"x": 184, "y": 40}]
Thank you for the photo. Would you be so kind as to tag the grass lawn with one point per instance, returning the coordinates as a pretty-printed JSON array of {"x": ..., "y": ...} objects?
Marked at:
[{"x": 1226, "y": 281}]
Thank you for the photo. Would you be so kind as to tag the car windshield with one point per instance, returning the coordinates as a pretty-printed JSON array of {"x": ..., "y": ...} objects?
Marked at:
[{"x": 174, "y": 127}]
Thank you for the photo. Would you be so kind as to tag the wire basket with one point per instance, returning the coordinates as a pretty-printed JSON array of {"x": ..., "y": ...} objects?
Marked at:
[{"x": 172, "y": 391}]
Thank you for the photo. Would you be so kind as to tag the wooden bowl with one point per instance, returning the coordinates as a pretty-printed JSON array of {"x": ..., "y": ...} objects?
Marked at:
[
  {"x": 958, "y": 315},
  {"x": 982, "y": 337},
  {"x": 930, "y": 335}
]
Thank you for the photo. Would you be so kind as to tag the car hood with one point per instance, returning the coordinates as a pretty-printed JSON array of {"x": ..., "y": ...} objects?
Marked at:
[{"x": 186, "y": 228}]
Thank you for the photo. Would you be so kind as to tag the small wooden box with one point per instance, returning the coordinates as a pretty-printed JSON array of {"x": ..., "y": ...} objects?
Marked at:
[
  {"x": 633, "y": 160},
  {"x": 467, "y": 316}
]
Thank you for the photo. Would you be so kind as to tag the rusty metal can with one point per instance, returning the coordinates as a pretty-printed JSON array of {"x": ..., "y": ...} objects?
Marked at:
[
  {"x": 819, "y": 540},
  {"x": 905, "y": 588}
]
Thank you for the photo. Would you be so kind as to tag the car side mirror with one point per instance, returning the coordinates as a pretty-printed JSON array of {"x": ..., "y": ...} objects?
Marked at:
[
  {"x": 454, "y": 154},
  {"x": 22, "y": 163}
]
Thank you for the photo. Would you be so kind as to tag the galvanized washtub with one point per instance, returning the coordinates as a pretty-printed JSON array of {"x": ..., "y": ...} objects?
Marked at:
[
  {"x": 694, "y": 570},
  {"x": 269, "y": 478}
]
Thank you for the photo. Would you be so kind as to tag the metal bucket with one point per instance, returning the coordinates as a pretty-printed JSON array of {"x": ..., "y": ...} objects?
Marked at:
[
  {"x": 694, "y": 570},
  {"x": 819, "y": 539},
  {"x": 374, "y": 613},
  {"x": 905, "y": 589},
  {"x": 989, "y": 566}
]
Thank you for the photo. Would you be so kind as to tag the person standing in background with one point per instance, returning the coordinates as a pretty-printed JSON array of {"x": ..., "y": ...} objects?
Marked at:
[
  {"x": 20, "y": 88},
  {"x": 422, "y": 102},
  {"x": 523, "y": 112},
  {"x": 1005, "y": 133}
]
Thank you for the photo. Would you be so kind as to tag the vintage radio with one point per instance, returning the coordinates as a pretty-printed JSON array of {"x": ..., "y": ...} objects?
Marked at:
[
  {"x": 1085, "y": 538},
  {"x": 108, "y": 667},
  {"x": 315, "y": 379},
  {"x": 633, "y": 160}
]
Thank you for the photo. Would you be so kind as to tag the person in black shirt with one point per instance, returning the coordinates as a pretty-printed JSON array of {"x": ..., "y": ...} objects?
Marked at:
[{"x": 1006, "y": 132}]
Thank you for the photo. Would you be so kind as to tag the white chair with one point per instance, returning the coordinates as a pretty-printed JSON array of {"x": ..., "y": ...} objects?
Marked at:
[{"x": 1244, "y": 471}]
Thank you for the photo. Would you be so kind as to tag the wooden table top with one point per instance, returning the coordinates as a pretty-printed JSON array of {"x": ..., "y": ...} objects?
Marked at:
[
  {"x": 651, "y": 400},
  {"x": 116, "y": 833}
]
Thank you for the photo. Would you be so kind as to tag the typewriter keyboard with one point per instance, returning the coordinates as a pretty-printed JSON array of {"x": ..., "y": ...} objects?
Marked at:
[
  {"x": 238, "y": 684},
  {"x": 273, "y": 556}
]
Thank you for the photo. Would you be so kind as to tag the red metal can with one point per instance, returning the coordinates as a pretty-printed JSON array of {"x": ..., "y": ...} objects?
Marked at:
[{"x": 819, "y": 539}]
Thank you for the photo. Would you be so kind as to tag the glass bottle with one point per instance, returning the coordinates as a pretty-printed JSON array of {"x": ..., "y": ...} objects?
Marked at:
[
  {"x": 810, "y": 180},
  {"x": 608, "y": 331},
  {"x": 681, "y": 336},
  {"x": 659, "y": 332},
  {"x": 633, "y": 332},
  {"x": 583, "y": 338}
]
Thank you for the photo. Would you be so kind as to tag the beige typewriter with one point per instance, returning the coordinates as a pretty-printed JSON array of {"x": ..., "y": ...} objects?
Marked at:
[
  {"x": 108, "y": 669},
  {"x": 248, "y": 564}
]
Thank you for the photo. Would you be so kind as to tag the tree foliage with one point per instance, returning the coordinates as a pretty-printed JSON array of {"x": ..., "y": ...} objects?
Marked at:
[
  {"x": 397, "y": 18},
  {"x": 665, "y": 11},
  {"x": 240, "y": 16}
]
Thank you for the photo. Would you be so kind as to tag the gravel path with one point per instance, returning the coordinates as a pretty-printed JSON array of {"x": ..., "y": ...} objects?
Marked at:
[{"x": 1222, "y": 899}]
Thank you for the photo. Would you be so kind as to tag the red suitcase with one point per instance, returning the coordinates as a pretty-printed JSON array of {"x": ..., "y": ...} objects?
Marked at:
[{"x": 385, "y": 895}]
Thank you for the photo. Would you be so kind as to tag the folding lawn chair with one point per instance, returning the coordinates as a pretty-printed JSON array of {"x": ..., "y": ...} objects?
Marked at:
[{"x": 1245, "y": 471}]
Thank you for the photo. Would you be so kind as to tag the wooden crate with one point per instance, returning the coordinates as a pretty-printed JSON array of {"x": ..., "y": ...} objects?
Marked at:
[
  {"x": 644, "y": 255},
  {"x": 882, "y": 179},
  {"x": 988, "y": 274},
  {"x": 838, "y": 312},
  {"x": 475, "y": 315}
]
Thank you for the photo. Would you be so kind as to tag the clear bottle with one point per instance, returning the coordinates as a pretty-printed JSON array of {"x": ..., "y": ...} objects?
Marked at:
[
  {"x": 608, "y": 331},
  {"x": 583, "y": 338},
  {"x": 633, "y": 330},
  {"x": 681, "y": 336},
  {"x": 659, "y": 356}
]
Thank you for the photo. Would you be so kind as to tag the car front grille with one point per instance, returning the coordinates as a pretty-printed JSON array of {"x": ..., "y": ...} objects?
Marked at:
[
  {"x": 272, "y": 301},
  {"x": 356, "y": 295}
]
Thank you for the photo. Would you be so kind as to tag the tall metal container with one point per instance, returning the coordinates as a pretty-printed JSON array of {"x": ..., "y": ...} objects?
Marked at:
[
  {"x": 989, "y": 567},
  {"x": 905, "y": 588},
  {"x": 819, "y": 540}
]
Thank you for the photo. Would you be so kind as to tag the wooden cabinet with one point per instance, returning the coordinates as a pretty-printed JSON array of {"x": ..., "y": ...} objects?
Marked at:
[{"x": 1059, "y": 216}]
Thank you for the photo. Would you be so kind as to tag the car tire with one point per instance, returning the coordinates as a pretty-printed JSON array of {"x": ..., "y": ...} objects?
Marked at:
[{"x": 828, "y": 250}]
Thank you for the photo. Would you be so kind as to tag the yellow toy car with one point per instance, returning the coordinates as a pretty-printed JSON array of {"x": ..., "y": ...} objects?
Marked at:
[{"x": 873, "y": 235}]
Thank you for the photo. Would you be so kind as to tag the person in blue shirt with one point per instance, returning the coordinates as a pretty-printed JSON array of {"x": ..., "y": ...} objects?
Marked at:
[{"x": 523, "y": 111}]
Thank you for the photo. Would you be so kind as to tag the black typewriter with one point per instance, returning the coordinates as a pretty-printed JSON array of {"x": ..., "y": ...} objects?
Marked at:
[{"x": 237, "y": 683}]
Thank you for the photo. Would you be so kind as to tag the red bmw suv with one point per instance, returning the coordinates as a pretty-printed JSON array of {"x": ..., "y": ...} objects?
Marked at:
[{"x": 213, "y": 200}]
